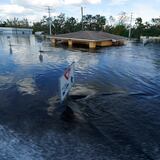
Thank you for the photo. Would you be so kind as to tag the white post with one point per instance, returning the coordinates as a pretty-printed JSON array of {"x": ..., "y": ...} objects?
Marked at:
[
  {"x": 130, "y": 28},
  {"x": 49, "y": 20},
  {"x": 82, "y": 18}
]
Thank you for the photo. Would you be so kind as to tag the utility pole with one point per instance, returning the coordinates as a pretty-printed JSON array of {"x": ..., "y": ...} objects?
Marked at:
[
  {"x": 49, "y": 20},
  {"x": 82, "y": 18},
  {"x": 130, "y": 28}
]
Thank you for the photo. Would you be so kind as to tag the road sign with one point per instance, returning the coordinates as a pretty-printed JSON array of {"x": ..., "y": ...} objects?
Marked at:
[{"x": 66, "y": 81}]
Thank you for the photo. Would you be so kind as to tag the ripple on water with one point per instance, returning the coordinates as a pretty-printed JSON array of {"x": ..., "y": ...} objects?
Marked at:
[
  {"x": 13, "y": 146},
  {"x": 27, "y": 86},
  {"x": 113, "y": 125},
  {"x": 5, "y": 81}
]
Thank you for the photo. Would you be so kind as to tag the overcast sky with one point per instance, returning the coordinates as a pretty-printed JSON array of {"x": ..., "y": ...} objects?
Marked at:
[{"x": 36, "y": 9}]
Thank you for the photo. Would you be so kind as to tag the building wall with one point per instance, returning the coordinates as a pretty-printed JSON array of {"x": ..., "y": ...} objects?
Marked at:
[
  {"x": 23, "y": 31},
  {"x": 104, "y": 43}
]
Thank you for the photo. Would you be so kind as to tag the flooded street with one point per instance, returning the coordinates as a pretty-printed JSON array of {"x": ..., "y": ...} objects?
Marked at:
[{"x": 119, "y": 119}]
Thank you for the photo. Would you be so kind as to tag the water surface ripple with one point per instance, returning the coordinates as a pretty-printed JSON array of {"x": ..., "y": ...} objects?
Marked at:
[{"x": 119, "y": 120}]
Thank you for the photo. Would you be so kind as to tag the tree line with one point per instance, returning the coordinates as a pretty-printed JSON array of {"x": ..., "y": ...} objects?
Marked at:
[
  {"x": 15, "y": 22},
  {"x": 63, "y": 24}
]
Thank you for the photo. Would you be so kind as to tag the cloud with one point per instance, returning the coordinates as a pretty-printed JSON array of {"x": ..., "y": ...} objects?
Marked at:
[
  {"x": 146, "y": 12},
  {"x": 53, "y": 3},
  {"x": 12, "y": 9},
  {"x": 24, "y": 9},
  {"x": 72, "y": 2},
  {"x": 36, "y": 9},
  {"x": 118, "y": 2},
  {"x": 37, "y": 3},
  {"x": 94, "y": 1}
]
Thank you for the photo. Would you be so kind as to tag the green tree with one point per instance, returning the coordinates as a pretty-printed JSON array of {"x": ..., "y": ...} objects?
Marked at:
[
  {"x": 139, "y": 28},
  {"x": 87, "y": 22},
  {"x": 120, "y": 30},
  {"x": 15, "y": 22},
  {"x": 123, "y": 18},
  {"x": 96, "y": 22},
  {"x": 99, "y": 22},
  {"x": 41, "y": 26},
  {"x": 112, "y": 21},
  {"x": 58, "y": 24},
  {"x": 61, "y": 24},
  {"x": 70, "y": 25}
]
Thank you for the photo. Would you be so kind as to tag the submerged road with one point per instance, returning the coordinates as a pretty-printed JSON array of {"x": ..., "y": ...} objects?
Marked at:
[{"x": 119, "y": 119}]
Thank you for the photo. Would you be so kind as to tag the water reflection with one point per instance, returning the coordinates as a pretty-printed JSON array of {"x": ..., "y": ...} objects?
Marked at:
[
  {"x": 124, "y": 63},
  {"x": 11, "y": 140},
  {"x": 5, "y": 80},
  {"x": 41, "y": 58},
  {"x": 29, "y": 93},
  {"x": 27, "y": 86},
  {"x": 10, "y": 49}
]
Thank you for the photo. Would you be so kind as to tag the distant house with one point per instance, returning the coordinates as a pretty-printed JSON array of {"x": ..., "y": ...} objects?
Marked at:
[
  {"x": 90, "y": 38},
  {"x": 21, "y": 31}
]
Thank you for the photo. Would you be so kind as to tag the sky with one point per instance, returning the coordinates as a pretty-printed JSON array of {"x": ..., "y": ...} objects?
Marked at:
[{"x": 34, "y": 10}]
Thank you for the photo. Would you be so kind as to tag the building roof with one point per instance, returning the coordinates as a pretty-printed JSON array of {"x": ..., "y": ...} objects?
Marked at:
[{"x": 88, "y": 36}]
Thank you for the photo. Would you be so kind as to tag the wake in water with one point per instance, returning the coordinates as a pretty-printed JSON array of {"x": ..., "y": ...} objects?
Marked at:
[{"x": 129, "y": 122}]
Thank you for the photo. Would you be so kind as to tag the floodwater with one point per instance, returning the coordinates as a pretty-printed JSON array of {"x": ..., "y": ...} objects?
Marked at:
[{"x": 119, "y": 120}]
